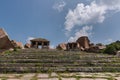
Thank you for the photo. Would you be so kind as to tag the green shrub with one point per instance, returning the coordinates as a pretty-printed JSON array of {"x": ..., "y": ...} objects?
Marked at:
[{"x": 112, "y": 48}]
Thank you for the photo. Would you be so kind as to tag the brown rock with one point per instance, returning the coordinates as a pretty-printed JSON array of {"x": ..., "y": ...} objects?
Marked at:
[
  {"x": 27, "y": 45},
  {"x": 62, "y": 46},
  {"x": 5, "y": 42},
  {"x": 97, "y": 48},
  {"x": 118, "y": 53},
  {"x": 84, "y": 42},
  {"x": 11, "y": 49},
  {"x": 17, "y": 44}
]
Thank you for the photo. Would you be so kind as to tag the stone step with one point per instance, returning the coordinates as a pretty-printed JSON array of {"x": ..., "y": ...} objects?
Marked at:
[
  {"x": 33, "y": 60},
  {"x": 57, "y": 69},
  {"x": 56, "y": 56},
  {"x": 59, "y": 65},
  {"x": 57, "y": 61}
]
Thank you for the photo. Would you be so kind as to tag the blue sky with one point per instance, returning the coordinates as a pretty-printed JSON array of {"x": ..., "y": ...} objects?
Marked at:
[{"x": 61, "y": 20}]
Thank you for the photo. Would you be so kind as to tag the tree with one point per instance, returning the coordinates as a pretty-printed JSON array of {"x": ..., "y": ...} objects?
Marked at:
[{"x": 110, "y": 49}]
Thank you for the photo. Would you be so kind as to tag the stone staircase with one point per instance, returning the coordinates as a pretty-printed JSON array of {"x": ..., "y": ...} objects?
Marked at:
[{"x": 35, "y": 60}]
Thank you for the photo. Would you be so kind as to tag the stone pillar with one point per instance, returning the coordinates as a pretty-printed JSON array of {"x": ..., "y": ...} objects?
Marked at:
[
  {"x": 72, "y": 45},
  {"x": 42, "y": 45},
  {"x": 36, "y": 44},
  {"x": 47, "y": 45}
]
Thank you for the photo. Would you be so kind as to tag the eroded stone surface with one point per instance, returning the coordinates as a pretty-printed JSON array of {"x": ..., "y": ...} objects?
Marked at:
[
  {"x": 49, "y": 79},
  {"x": 5, "y": 42},
  {"x": 43, "y": 76},
  {"x": 54, "y": 75},
  {"x": 27, "y": 76},
  {"x": 66, "y": 76}
]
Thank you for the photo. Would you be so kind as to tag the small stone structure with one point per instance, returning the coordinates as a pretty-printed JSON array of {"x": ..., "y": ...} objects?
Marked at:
[
  {"x": 82, "y": 43},
  {"x": 44, "y": 43},
  {"x": 73, "y": 46},
  {"x": 5, "y": 42}
]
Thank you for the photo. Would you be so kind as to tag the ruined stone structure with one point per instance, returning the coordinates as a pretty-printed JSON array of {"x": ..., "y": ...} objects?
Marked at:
[
  {"x": 40, "y": 42},
  {"x": 73, "y": 46},
  {"x": 96, "y": 48},
  {"x": 5, "y": 42},
  {"x": 84, "y": 42}
]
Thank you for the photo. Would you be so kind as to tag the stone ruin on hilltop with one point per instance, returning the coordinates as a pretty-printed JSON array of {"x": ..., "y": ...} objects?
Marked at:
[
  {"x": 40, "y": 42},
  {"x": 83, "y": 44},
  {"x": 7, "y": 44}
]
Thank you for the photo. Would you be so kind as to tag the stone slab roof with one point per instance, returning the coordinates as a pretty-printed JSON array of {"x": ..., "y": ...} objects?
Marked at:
[{"x": 39, "y": 40}]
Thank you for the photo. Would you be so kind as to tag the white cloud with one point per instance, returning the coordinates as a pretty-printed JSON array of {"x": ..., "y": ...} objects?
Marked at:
[
  {"x": 52, "y": 47},
  {"x": 110, "y": 4},
  {"x": 29, "y": 38},
  {"x": 83, "y": 15},
  {"x": 90, "y": 14},
  {"x": 108, "y": 40},
  {"x": 59, "y": 6},
  {"x": 85, "y": 31}
]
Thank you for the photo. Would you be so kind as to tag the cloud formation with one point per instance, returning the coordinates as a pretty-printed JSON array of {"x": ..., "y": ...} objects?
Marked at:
[
  {"x": 85, "y": 31},
  {"x": 83, "y": 15},
  {"x": 90, "y": 14},
  {"x": 59, "y": 6},
  {"x": 109, "y": 40},
  {"x": 29, "y": 38},
  {"x": 109, "y": 4}
]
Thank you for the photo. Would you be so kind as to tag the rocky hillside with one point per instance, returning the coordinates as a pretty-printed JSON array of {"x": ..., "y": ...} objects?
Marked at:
[{"x": 35, "y": 60}]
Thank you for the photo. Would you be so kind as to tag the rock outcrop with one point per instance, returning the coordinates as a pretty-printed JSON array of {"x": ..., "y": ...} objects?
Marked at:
[
  {"x": 96, "y": 48},
  {"x": 62, "y": 46},
  {"x": 27, "y": 45},
  {"x": 5, "y": 42},
  {"x": 84, "y": 42},
  {"x": 17, "y": 44}
]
